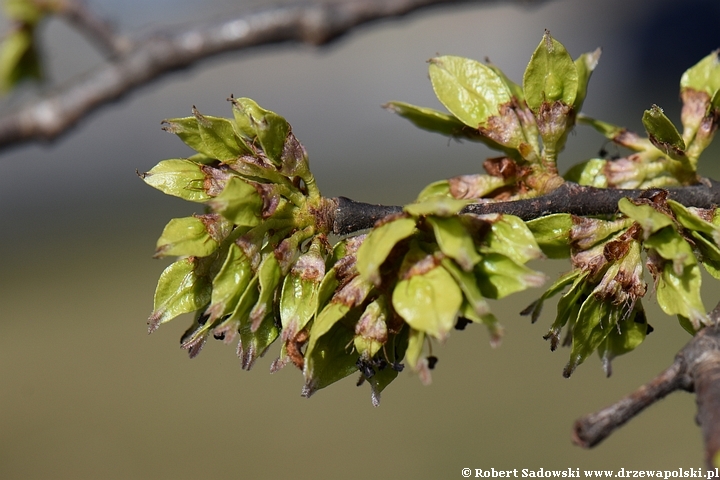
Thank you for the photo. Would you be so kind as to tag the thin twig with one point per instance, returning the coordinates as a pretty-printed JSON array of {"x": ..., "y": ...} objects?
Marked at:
[
  {"x": 159, "y": 54},
  {"x": 696, "y": 368},
  {"x": 96, "y": 29},
  {"x": 592, "y": 429}
]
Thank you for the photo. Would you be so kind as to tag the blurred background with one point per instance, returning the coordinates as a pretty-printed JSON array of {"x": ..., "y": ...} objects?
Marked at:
[{"x": 86, "y": 393}]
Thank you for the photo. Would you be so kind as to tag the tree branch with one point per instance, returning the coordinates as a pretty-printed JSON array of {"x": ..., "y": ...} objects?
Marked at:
[
  {"x": 351, "y": 216},
  {"x": 140, "y": 61},
  {"x": 98, "y": 30},
  {"x": 696, "y": 368}
]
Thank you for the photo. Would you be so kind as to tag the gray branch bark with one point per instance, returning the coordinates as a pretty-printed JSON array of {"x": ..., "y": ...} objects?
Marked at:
[
  {"x": 696, "y": 368},
  {"x": 350, "y": 216},
  {"x": 137, "y": 62}
]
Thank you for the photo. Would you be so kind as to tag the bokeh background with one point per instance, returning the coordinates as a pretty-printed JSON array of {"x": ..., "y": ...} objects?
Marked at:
[{"x": 86, "y": 393}]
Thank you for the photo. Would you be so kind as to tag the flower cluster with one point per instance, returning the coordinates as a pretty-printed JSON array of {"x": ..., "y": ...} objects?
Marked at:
[{"x": 258, "y": 265}]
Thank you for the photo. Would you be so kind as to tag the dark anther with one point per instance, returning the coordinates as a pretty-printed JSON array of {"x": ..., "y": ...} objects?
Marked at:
[
  {"x": 398, "y": 367},
  {"x": 432, "y": 360},
  {"x": 461, "y": 323},
  {"x": 365, "y": 368},
  {"x": 380, "y": 364},
  {"x": 219, "y": 336}
]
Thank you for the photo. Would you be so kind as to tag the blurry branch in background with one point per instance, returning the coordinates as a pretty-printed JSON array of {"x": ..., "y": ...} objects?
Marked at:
[
  {"x": 696, "y": 369},
  {"x": 96, "y": 29},
  {"x": 134, "y": 62}
]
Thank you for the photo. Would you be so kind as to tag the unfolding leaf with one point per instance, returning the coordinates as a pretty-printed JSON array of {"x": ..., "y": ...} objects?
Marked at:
[
  {"x": 670, "y": 245},
  {"x": 441, "y": 206},
  {"x": 455, "y": 241},
  {"x": 378, "y": 244},
  {"x": 689, "y": 220},
  {"x": 649, "y": 218},
  {"x": 625, "y": 337},
  {"x": 429, "y": 301},
  {"x": 186, "y": 236},
  {"x": 416, "y": 341},
  {"x": 254, "y": 342},
  {"x": 590, "y": 173},
  {"x": 239, "y": 202},
  {"x": 269, "y": 276},
  {"x": 500, "y": 276},
  {"x": 704, "y": 76},
  {"x": 182, "y": 288},
  {"x": 327, "y": 359},
  {"x": 679, "y": 294},
  {"x": 371, "y": 331},
  {"x": 535, "y": 308},
  {"x": 178, "y": 177},
  {"x": 551, "y": 233},
  {"x": 469, "y": 286},
  {"x": 585, "y": 64},
  {"x": 433, "y": 120},
  {"x": 218, "y": 137},
  {"x": 550, "y": 76},
  {"x": 595, "y": 320},
  {"x": 229, "y": 283},
  {"x": 473, "y": 187},
  {"x": 299, "y": 298},
  {"x": 254, "y": 122},
  {"x": 511, "y": 237},
  {"x": 663, "y": 133},
  {"x": 469, "y": 90}
]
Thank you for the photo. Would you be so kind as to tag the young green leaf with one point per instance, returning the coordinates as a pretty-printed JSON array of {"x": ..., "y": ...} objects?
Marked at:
[
  {"x": 433, "y": 120},
  {"x": 704, "y": 76},
  {"x": 585, "y": 65},
  {"x": 693, "y": 222},
  {"x": 254, "y": 342},
  {"x": 595, "y": 320},
  {"x": 511, "y": 237},
  {"x": 371, "y": 331},
  {"x": 269, "y": 277},
  {"x": 218, "y": 137},
  {"x": 429, "y": 301},
  {"x": 500, "y": 276},
  {"x": 471, "y": 91},
  {"x": 455, "y": 241},
  {"x": 663, "y": 133},
  {"x": 649, "y": 219},
  {"x": 416, "y": 341},
  {"x": 679, "y": 294},
  {"x": 624, "y": 338},
  {"x": 229, "y": 283},
  {"x": 199, "y": 236},
  {"x": 253, "y": 122},
  {"x": 239, "y": 202},
  {"x": 178, "y": 177},
  {"x": 180, "y": 289},
  {"x": 326, "y": 357},
  {"x": 441, "y": 206},
  {"x": 551, "y": 233},
  {"x": 378, "y": 244},
  {"x": 550, "y": 76},
  {"x": 469, "y": 286}
]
